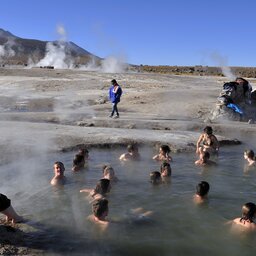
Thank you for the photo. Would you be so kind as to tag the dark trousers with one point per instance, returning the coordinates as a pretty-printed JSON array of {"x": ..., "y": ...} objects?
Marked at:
[{"x": 114, "y": 109}]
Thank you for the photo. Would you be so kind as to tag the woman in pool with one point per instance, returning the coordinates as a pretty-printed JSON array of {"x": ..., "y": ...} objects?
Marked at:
[
  {"x": 109, "y": 173},
  {"x": 101, "y": 189},
  {"x": 132, "y": 154},
  {"x": 202, "y": 190},
  {"x": 163, "y": 155},
  {"x": 209, "y": 142},
  {"x": 248, "y": 216},
  {"x": 204, "y": 159},
  {"x": 59, "y": 178},
  {"x": 7, "y": 209},
  {"x": 250, "y": 157}
]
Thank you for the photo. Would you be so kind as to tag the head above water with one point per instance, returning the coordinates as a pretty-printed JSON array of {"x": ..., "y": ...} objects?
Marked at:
[
  {"x": 202, "y": 188},
  {"x": 78, "y": 160},
  {"x": 166, "y": 169},
  {"x": 100, "y": 208},
  {"x": 59, "y": 168},
  {"x": 108, "y": 170},
  {"x": 208, "y": 130},
  {"x": 132, "y": 148},
  {"x": 83, "y": 151},
  {"x": 102, "y": 187},
  {"x": 165, "y": 149},
  {"x": 248, "y": 212},
  {"x": 249, "y": 154},
  {"x": 155, "y": 177}
]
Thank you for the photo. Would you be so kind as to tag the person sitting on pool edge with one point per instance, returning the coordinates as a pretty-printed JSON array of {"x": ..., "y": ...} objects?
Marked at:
[
  {"x": 59, "y": 178},
  {"x": 7, "y": 209},
  {"x": 209, "y": 142},
  {"x": 132, "y": 154},
  {"x": 163, "y": 154},
  {"x": 202, "y": 190}
]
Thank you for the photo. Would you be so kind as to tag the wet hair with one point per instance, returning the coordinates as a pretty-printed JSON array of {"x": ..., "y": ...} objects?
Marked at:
[
  {"x": 248, "y": 212},
  {"x": 208, "y": 130},
  {"x": 113, "y": 81},
  {"x": 250, "y": 154},
  {"x": 168, "y": 166},
  {"x": 83, "y": 151},
  {"x": 202, "y": 188},
  {"x": 61, "y": 165},
  {"x": 99, "y": 207},
  {"x": 132, "y": 147},
  {"x": 78, "y": 160},
  {"x": 165, "y": 148},
  {"x": 107, "y": 169},
  {"x": 102, "y": 186},
  {"x": 155, "y": 177}
]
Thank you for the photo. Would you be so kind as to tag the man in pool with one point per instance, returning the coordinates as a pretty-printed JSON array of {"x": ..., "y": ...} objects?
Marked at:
[
  {"x": 204, "y": 159},
  {"x": 132, "y": 154},
  {"x": 59, "y": 178}
]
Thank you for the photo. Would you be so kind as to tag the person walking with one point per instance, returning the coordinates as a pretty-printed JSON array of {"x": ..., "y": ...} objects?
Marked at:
[{"x": 115, "y": 92}]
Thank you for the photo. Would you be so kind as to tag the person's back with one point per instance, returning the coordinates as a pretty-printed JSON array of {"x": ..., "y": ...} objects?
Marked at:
[{"x": 248, "y": 216}]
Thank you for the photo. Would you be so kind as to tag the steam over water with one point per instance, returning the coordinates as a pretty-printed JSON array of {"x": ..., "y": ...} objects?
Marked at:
[{"x": 178, "y": 227}]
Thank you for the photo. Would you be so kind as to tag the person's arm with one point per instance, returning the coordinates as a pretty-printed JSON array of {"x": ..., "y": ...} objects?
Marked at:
[
  {"x": 86, "y": 190},
  {"x": 156, "y": 157},
  {"x": 122, "y": 157},
  {"x": 198, "y": 142}
]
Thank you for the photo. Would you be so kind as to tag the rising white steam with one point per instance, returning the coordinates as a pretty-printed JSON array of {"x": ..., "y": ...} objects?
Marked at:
[
  {"x": 57, "y": 53},
  {"x": 61, "y": 33},
  {"x": 222, "y": 62},
  {"x": 6, "y": 50},
  {"x": 56, "y": 56},
  {"x": 111, "y": 64}
]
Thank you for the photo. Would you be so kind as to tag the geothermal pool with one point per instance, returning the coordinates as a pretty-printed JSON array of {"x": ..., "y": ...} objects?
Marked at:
[{"x": 58, "y": 217}]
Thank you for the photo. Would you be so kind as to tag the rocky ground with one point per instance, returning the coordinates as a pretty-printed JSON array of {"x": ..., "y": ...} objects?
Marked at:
[{"x": 61, "y": 109}]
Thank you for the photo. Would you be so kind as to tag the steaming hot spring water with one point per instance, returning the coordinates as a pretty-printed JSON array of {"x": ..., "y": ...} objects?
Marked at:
[{"x": 57, "y": 217}]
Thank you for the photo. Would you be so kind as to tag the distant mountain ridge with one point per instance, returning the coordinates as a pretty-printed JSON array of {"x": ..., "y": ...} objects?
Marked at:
[{"x": 20, "y": 51}]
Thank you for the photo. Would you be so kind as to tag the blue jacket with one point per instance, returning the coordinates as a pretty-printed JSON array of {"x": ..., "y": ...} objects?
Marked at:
[{"x": 115, "y": 97}]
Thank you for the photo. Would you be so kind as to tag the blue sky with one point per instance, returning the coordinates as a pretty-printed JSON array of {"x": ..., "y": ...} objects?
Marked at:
[{"x": 148, "y": 32}]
